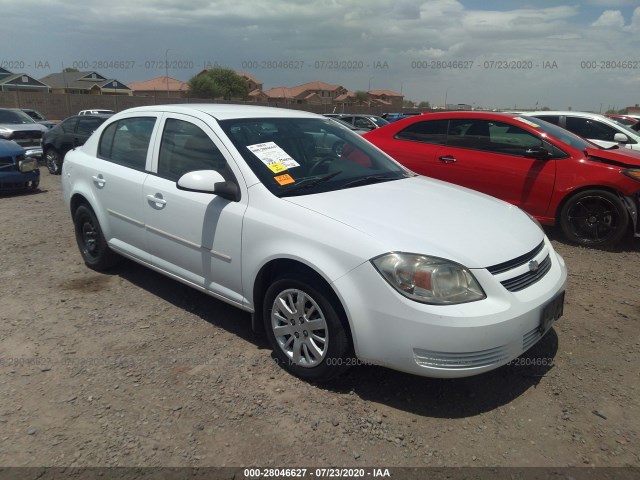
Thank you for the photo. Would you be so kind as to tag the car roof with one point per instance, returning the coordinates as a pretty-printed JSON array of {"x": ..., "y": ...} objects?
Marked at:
[
  {"x": 565, "y": 112},
  {"x": 462, "y": 114},
  {"x": 226, "y": 111}
]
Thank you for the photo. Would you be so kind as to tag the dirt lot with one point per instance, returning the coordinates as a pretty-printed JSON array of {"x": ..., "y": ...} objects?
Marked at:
[{"x": 130, "y": 368}]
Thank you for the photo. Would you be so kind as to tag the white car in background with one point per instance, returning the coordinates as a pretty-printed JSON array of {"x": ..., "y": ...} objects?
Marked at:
[
  {"x": 341, "y": 257},
  {"x": 96, "y": 111},
  {"x": 596, "y": 128}
]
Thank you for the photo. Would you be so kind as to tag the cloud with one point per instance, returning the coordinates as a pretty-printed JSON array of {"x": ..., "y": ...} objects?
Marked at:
[
  {"x": 612, "y": 3},
  {"x": 610, "y": 19}
]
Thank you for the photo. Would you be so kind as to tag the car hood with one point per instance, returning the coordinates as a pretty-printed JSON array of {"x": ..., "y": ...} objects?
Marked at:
[
  {"x": 427, "y": 216},
  {"x": 22, "y": 127},
  {"x": 623, "y": 157},
  {"x": 10, "y": 149}
]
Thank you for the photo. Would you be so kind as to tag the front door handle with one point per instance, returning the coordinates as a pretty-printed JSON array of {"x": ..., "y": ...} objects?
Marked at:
[
  {"x": 158, "y": 200},
  {"x": 448, "y": 159}
]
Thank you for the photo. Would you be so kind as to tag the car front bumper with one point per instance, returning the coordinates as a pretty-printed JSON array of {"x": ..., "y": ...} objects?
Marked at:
[
  {"x": 11, "y": 181},
  {"x": 446, "y": 341},
  {"x": 35, "y": 152}
]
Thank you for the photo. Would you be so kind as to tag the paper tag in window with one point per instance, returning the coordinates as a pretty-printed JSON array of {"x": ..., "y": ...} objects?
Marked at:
[
  {"x": 285, "y": 179},
  {"x": 276, "y": 167},
  {"x": 270, "y": 153}
]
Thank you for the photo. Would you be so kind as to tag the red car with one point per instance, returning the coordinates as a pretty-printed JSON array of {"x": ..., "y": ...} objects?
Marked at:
[{"x": 554, "y": 175}]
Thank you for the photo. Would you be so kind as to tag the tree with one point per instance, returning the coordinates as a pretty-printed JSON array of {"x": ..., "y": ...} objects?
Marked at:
[
  {"x": 408, "y": 104},
  {"x": 70, "y": 70},
  {"x": 218, "y": 82},
  {"x": 361, "y": 97},
  {"x": 424, "y": 104}
]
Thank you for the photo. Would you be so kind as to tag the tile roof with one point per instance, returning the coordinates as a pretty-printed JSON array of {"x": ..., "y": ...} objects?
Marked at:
[
  {"x": 293, "y": 92},
  {"x": 388, "y": 93},
  {"x": 160, "y": 84}
]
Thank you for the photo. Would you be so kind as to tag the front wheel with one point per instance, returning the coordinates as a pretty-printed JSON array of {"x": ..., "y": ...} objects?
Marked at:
[
  {"x": 93, "y": 246},
  {"x": 594, "y": 218},
  {"x": 53, "y": 161},
  {"x": 305, "y": 330}
]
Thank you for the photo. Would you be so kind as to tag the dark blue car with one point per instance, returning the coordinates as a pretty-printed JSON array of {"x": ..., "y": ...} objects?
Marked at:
[{"x": 17, "y": 171}]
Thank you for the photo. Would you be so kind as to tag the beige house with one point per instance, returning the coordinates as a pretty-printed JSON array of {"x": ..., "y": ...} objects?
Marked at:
[
  {"x": 386, "y": 98},
  {"x": 91, "y": 83},
  {"x": 312, "y": 93}
]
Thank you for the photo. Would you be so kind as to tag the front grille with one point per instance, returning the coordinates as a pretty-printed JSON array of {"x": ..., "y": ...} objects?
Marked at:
[
  {"x": 26, "y": 134},
  {"x": 516, "y": 262},
  {"x": 6, "y": 161},
  {"x": 521, "y": 282},
  {"x": 530, "y": 338}
]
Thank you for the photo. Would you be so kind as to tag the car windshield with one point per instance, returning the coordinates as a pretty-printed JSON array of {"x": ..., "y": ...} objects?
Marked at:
[
  {"x": 628, "y": 130},
  {"x": 560, "y": 133},
  {"x": 381, "y": 122},
  {"x": 15, "y": 117},
  {"x": 300, "y": 156}
]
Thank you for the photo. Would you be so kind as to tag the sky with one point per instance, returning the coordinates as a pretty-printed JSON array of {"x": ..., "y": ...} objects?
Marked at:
[{"x": 517, "y": 54}]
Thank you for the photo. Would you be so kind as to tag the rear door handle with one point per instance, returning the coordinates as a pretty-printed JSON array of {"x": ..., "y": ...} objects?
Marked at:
[
  {"x": 448, "y": 159},
  {"x": 99, "y": 180}
]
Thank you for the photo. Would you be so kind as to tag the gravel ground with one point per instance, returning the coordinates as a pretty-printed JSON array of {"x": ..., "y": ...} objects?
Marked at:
[{"x": 130, "y": 368}]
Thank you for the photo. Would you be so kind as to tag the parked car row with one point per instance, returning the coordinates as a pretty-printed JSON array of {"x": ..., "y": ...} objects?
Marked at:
[{"x": 360, "y": 121}]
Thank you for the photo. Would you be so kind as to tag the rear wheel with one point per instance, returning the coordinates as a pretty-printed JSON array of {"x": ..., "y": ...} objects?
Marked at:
[
  {"x": 91, "y": 242},
  {"x": 594, "y": 218},
  {"x": 53, "y": 161},
  {"x": 304, "y": 328}
]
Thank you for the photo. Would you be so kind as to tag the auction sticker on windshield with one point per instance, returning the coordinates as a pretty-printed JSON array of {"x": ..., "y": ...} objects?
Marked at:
[{"x": 273, "y": 156}]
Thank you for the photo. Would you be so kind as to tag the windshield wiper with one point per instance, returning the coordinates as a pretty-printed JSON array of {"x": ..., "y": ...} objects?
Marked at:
[
  {"x": 311, "y": 182},
  {"x": 368, "y": 180}
]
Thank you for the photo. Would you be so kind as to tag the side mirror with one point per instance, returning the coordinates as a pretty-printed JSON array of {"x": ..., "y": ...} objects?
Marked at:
[
  {"x": 209, "y": 181},
  {"x": 538, "y": 153},
  {"x": 620, "y": 138}
]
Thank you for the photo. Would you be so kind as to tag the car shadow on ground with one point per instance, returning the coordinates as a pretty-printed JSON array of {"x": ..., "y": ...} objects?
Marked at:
[
  {"x": 21, "y": 192},
  {"x": 452, "y": 398},
  {"x": 431, "y": 397},
  {"x": 216, "y": 312},
  {"x": 629, "y": 243}
]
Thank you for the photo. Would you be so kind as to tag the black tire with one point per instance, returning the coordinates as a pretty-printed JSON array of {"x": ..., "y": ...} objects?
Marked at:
[
  {"x": 332, "y": 340},
  {"x": 53, "y": 160},
  {"x": 594, "y": 218},
  {"x": 93, "y": 247}
]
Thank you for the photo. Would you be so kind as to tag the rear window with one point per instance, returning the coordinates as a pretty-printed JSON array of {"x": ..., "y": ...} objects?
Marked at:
[{"x": 126, "y": 142}]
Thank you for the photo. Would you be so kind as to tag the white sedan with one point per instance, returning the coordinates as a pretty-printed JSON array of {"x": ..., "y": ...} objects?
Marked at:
[
  {"x": 342, "y": 258},
  {"x": 601, "y": 130}
]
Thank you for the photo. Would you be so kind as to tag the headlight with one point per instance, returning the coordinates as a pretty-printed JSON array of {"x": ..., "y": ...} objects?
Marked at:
[
  {"x": 431, "y": 280},
  {"x": 28, "y": 164},
  {"x": 632, "y": 173},
  {"x": 5, "y": 132}
]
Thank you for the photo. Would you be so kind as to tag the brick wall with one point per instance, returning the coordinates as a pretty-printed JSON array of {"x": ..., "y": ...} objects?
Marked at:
[{"x": 56, "y": 106}]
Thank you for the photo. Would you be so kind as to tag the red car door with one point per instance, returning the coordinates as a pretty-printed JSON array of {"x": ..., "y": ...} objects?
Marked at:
[
  {"x": 483, "y": 154},
  {"x": 489, "y": 156}
]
